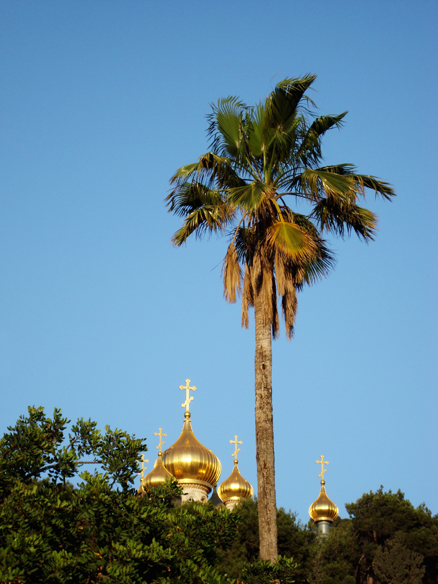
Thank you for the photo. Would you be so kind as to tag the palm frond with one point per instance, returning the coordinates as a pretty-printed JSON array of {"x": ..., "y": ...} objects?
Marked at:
[
  {"x": 379, "y": 187},
  {"x": 248, "y": 197},
  {"x": 201, "y": 207},
  {"x": 310, "y": 149},
  {"x": 362, "y": 181},
  {"x": 185, "y": 172},
  {"x": 189, "y": 196},
  {"x": 231, "y": 274},
  {"x": 281, "y": 275},
  {"x": 317, "y": 183},
  {"x": 210, "y": 169},
  {"x": 320, "y": 264},
  {"x": 284, "y": 141},
  {"x": 283, "y": 102},
  {"x": 318, "y": 268},
  {"x": 259, "y": 135},
  {"x": 291, "y": 240},
  {"x": 341, "y": 218},
  {"x": 244, "y": 241},
  {"x": 289, "y": 304},
  {"x": 225, "y": 126},
  {"x": 284, "y": 118}
]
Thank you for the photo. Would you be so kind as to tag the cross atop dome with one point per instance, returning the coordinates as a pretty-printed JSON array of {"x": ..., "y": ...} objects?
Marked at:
[
  {"x": 143, "y": 466},
  {"x": 235, "y": 487},
  {"x": 322, "y": 462},
  {"x": 160, "y": 444},
  {"x": 236, "y": 450},
  {"x": 188, "y": 398},
  {"x": 323, "y": 511}
]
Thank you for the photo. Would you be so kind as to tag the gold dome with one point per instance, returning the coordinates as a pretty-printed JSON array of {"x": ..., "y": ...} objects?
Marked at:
[
  {"x": 323, "y": 509},
  {"x": 158, "y": 475},
  {"x": 235, "y": 487},
  {"x": 189, "y": 461}
]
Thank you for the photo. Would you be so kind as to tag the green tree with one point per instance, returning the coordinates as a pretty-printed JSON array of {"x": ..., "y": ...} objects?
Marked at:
[
  {"x": 259, "y": 158},
  {"x": 390, "y": 531},
  {"x": 265, "y": 572},
  {"x": 99, "y": 530},
  {"x": 385, "y": 541},
  {"x": 397, "y": 563},
  {"x": 333, "y": 558},
  {"x": 294, "y": 543}
]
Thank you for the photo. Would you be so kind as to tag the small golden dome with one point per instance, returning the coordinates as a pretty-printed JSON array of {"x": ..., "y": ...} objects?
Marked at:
[
  {"x": 323, "y": 509},
  {"x": 189, "y": 461},
  {"x": 158, "y": 475},
  {"x": 235, "y": 487}
]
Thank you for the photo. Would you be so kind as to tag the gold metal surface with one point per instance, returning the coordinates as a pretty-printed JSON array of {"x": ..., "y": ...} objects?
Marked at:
[
  {"x": 189, "y": 461},
  {"x": 235, "y": 486},
  {"x": 236, "y": 450},
  {"x": 188, "y": 398},
  {"x": 143, "y": 466},
  {"x": 159, "y": 474},
  {"x": 322, "y": 462},
  {"x": 323, "y": 509},
  {"x": 160, "y": 444}
]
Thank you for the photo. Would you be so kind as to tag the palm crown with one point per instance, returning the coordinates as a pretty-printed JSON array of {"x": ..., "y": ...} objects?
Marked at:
[{"x": 258, "y": 157}]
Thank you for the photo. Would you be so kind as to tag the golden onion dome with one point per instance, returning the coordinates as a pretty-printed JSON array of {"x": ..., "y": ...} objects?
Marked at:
[
  {"x": 323, "y": 509},
  {"x": 191, "y": 462},
  {"x": 158, "y": 475},
  {"x": 235, "y": 487}
]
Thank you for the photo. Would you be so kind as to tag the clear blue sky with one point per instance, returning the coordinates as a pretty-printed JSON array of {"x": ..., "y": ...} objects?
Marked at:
[{"x": 99, "y": 315}]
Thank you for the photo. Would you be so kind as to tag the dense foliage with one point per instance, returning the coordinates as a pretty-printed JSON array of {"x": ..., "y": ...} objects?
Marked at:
[
  {"x": 60, "y": 525},
  {"x": 294, "y": 541},
  {"x": 384, "y": 541},
  {"x": 397, "y": 542},
  {"x": 99, "y": 530}
]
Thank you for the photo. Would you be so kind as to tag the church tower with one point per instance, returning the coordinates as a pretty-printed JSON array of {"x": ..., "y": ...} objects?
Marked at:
[
  {"x": 235, "y": 487},
  {"x": 194, "y": 466},
  {"x": 159, "y": 474},
  {"x": 323, "y": 511}
]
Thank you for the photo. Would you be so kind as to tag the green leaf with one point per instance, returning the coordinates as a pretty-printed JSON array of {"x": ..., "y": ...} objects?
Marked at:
[
  {"x": 225, "y": 126},
  {"x": 291, "y": 240},
  {"x": 248, "y": 197},
  {"x": 317, "y": 183}
]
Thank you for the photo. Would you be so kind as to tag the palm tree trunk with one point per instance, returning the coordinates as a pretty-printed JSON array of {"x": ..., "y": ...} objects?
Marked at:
[{"x": 265, "y": 434}]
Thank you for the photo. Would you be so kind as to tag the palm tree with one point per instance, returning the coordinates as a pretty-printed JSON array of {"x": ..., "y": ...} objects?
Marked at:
[{"x": 261, "y": 157}]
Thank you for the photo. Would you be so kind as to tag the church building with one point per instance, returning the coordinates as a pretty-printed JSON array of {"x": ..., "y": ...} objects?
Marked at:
[
  {"x": 195, "y": 467},
  {"x": 197, "y": 471}
]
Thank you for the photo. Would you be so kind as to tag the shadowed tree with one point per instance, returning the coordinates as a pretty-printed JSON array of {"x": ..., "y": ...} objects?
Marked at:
[
  {"x": 261, "y": 157},
  {"x": 98, "y": 530},
  {"x": 397, "y": 542}
]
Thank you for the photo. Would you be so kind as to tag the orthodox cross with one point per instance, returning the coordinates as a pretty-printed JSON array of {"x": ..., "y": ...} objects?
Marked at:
[
  {"x": 236, "y": 450},
  {"x": 160, "y": 434},
  {"x": 322, "y": 462},
  {"x": 188, "y": 398},
  {"x": 143, "y": 466}
]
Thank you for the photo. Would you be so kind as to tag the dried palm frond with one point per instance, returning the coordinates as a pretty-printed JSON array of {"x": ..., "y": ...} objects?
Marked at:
[
  {"x": 247, "y": 295},
  {"x": 232, "y": 274},
  {"x": 289, "y": 305}
]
